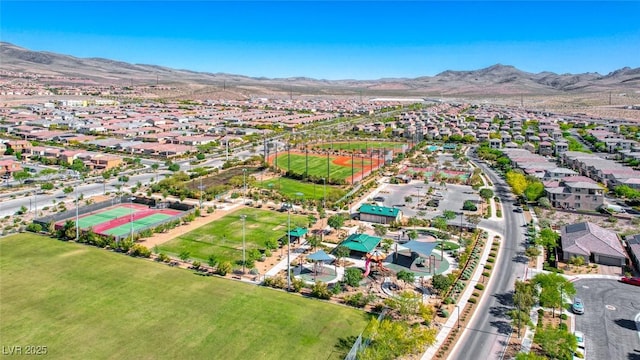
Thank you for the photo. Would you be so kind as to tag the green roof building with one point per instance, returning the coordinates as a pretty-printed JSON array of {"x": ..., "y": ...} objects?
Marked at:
[
  {"x": 297, "y": 233},
  {"x": 379, "y": 214},
  {"x": 361, "y": 242}
]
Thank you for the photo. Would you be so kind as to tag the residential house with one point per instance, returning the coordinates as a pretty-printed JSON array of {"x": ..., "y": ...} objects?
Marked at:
[{"x": 593, "y": 243}]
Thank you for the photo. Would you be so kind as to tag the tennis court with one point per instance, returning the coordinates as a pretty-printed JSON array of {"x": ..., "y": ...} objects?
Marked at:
[
  {"x": 139, "y": 224},
  {"x": 119, "y": 220}
]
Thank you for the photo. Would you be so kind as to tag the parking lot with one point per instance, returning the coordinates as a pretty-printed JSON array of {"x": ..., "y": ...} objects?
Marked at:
[
  {"x": 451, "y": 197},
  {"x": 610, "y": 320}
]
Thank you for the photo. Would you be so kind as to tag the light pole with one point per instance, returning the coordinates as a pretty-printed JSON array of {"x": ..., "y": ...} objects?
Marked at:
[
  {"x": 324, "y": 191},
  {"x": 77, "y": 213},
  {"x": 201, "y": 190},
  {"x": 458, "y": 310},
  {"x": 131, "y": 215},
  {"x": 243, "y": 245},
  {"x": 35, "y": 201},
  {"x": 288, "y": 249},
  {"x": 244, "y": 180}
]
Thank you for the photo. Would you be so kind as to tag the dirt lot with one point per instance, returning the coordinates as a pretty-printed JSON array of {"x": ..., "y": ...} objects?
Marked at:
[{"x": 622, "y": 226}]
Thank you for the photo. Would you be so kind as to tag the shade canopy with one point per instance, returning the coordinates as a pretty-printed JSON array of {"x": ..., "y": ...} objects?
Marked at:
[
  {"x": 421, "y": 247},
  {"x": 320, "y": 255}
]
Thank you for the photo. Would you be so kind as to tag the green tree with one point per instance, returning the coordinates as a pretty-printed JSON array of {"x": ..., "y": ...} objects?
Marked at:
[
  {"x": 553, "y": 288},
  {"x": 379, "y": 230},
  {"x": 46, "y": 186},
  {"x": 314, "y": 241},
  {"x": 449, "y": 214},
  {"x": 341, "y": 252},
  {"x": 548, "y": 238},
  {"x": 439, "y": 223},
  {"x": 407, "y": 277},
  {"x": 174, "y": 167},
  {"x": 200, "y": 156},
  {"x": 441, "y": 283},
  {"x": 21, "y": 176},
  {"x": 523, "y": 300},
  {"x": 556, "y": 343},
  {"x": 486, "y": 194},
  {"x": 395, "y": 339},
  {"x": 352, "y": 277},
  {"x": 534, "y": 191},
  {"x": 335, "y": 221}
]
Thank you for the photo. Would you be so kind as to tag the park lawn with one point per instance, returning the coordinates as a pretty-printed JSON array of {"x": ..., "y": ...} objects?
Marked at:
[
  {"x": 87, "y": 303},
  {"x": 318, "y": 166},
  {"x": 223, "y": 237},
  {"x": 292, "y": 188},
  {"x": 362, "y": 145}
]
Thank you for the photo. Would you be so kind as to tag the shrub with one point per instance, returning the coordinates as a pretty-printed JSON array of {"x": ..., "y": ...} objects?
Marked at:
[
  {"x": 488, "y": 267},
  {"x": 563, "y": 316},
  {"x": 353, "y": 276},
  {"x": 224, "y": 268},
  {"x": 358, "y": 300},
  {"x": 448, "y": 301},
  {"x": 163, "y": 257},
  {"x": 475, "y": 294},
  {"x": 486, "y": 273},
  {"x": 196, "y": 264},
  {"x": 320, "y": 290},
  {"x": 479, "y": 286},
  {"x": 472, "y": 300},
  {"x": 33, "y": 227},
  {"x": 491, "y": 260},
  {"x": 563, "y": 326},
  {"x": 138, "y": 250}
]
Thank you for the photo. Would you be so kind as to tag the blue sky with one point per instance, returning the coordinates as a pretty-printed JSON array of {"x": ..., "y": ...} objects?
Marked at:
[{"x": 334, "y": 39}]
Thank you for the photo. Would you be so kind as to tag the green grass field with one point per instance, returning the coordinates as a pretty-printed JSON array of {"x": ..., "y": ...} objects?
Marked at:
[
  {"x": 223, "y": 237},
  {"x": 87, "y": 303},
  {"x": 361, "y": 145},
  {"x": 318, "y": 165},
  {"x": 290, "y": 188}
]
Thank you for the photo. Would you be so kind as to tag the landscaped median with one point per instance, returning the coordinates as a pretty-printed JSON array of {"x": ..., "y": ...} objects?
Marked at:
[{"x": 466, "y": 310}]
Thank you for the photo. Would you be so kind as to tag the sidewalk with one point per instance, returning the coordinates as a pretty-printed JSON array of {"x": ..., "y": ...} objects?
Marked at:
[{"x": 462, "y": 301}]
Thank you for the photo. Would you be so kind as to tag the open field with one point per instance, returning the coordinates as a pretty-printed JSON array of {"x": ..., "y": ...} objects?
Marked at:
[
  {"x": 86, "y": 303},
  {"x": 290, "y": 188},
  {"x": 223, "y": 237},
  {"x": 362, "y": 145},
  {"x": 339, "y": 166}
]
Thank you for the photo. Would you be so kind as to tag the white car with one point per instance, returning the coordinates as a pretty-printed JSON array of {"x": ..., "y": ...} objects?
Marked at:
[{"x": 581, "y": 346}]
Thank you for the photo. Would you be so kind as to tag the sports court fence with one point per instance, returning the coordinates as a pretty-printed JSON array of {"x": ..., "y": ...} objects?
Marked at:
[{"x": 152, "y": 203}]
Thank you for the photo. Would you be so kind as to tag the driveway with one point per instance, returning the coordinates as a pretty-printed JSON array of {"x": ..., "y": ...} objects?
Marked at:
[{"x": 609, "y": 323}]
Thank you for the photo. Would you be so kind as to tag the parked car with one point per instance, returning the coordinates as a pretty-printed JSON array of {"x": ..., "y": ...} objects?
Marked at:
[
  {"x": 517, "y": 209},
  {"x": 631, "y": 280},
  {"x": 578, "y": 306},
  {"x": 378, "y": 199},
  {"x": 581, "y": 349}
]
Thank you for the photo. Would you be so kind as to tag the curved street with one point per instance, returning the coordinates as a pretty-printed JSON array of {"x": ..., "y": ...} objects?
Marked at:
[{"x": 488, "y": 332}]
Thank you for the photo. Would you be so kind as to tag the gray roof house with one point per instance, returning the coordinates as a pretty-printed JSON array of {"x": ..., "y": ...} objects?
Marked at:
[
  {"x": 633, "y": 245},
  {"x": 593, "y": 243}
]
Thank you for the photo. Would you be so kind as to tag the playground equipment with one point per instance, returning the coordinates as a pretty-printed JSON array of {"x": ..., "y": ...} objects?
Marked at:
[{"x": 376, "y": 256}]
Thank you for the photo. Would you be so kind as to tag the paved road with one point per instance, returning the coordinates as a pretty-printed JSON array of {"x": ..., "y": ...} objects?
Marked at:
[
  {"x": 609, "y": 321},
  {"x": 11, "y": 206},
  {"x": 488, "y": 331}
]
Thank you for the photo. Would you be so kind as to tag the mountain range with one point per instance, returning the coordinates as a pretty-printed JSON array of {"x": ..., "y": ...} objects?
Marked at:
[{"x": 497, "y": 79}]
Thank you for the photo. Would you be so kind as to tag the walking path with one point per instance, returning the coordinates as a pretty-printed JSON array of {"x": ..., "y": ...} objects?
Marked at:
[{"x": 453, "y": 318}]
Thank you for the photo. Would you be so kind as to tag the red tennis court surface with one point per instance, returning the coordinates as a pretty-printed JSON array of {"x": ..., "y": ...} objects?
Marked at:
[{"x": 120, "y": 219}]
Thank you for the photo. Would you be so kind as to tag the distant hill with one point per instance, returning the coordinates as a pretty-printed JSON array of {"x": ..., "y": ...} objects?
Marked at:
[{"x": 497, "y": 79}]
